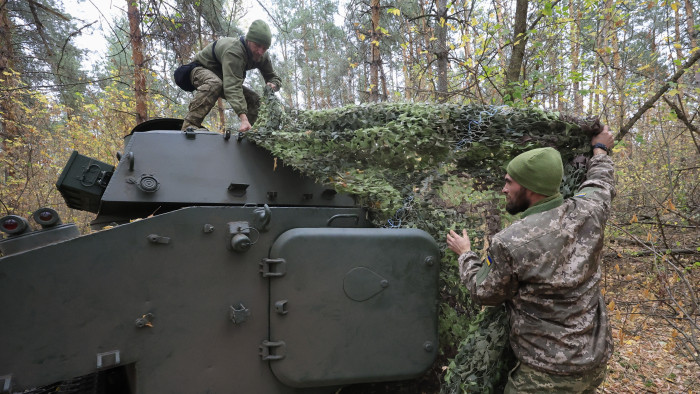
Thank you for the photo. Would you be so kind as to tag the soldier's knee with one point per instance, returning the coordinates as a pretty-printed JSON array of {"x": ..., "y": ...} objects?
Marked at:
[{"x": 216, "y": 85}]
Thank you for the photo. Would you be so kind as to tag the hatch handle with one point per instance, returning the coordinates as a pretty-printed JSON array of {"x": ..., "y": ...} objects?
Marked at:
[
  {"x": 266, "y": 350},
  {"x": 266, "y": 267},
  {"x": 343, "y": 216}
]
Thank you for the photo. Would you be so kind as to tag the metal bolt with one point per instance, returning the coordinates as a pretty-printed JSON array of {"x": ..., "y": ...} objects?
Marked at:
[
  {"x": 429, "y": 261},
  {"x": 384, "y": 283},
  {"x": 144, "y": 321},
  {"x": 428, "y": 346},
  {"x": 208, "y": 228}
]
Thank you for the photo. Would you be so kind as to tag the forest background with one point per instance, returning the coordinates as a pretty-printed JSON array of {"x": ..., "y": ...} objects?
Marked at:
[{"x": 633, "y": 63}]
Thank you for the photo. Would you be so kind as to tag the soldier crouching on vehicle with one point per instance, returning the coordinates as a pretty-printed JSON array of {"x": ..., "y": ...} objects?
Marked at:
[
  {"x": 219, "y": 71},
  {"x": 545, "y": 267}
]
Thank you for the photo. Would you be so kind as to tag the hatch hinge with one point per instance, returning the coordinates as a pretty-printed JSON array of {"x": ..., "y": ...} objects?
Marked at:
[
  {"x": 273, "y": 267},
  {"x": 271, "y": 351}
]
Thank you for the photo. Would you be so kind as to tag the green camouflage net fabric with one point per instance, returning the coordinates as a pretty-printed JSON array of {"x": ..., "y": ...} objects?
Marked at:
[{"x": 395, "y": 158}]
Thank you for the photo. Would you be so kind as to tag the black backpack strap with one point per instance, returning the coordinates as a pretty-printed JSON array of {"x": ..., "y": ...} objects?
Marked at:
[
  {"x": 247, "y": 50},
  {"x": 213, "y": 53}
]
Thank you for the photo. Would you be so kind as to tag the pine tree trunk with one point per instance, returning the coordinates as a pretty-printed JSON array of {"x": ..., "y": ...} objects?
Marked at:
[
  {"x": 576, "y": 15},
  {"x": 9, "y": 112},
  {"x": 519, "y": 41},
  {"x": 441, "y": 52},
  {"x": 375, "y": 55},
  {"x": 693, "y": 34},
  {"x": 137, "y": 56}
]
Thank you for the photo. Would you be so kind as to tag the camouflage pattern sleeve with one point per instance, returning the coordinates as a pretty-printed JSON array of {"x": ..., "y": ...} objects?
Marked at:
[
  {"x": 492, "y": 281},
  {"x": 600, "y": 181}
]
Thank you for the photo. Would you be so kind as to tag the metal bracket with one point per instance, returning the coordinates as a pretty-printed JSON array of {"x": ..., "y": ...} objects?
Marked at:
[
  {"x": 344, "y": 216},
  {"x": 108, "y": 359},
  {"x": 130, "y": 157},
  {"x": 266, "y": 350},
  {"x": 5, "y": 383},
  {"x": 190, "y": 134},
  {"x": 266, "y": 267},
  {"x": 261, "y": 217},
  {"x": 281, "y": 307},
  {"x": 144, "y": 321},
  {"x": 239, "y": 315},
  {"x": 158, "y": 239},
  {"x": 238, "y": 189}
]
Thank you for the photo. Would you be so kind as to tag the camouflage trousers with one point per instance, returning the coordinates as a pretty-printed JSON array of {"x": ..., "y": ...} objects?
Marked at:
[
  {"x": 523, "y": 379},
  {"x": 209, "y": 89}
]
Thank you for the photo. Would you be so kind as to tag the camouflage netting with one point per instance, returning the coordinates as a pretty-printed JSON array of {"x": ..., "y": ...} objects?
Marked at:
[{"x": 398, "y": 159}]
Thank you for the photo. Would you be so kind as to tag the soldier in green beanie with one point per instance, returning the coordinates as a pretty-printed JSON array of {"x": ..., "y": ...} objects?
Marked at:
[
  {"x": 545, "y": 268},
  {"x": 220, "y": 69}
]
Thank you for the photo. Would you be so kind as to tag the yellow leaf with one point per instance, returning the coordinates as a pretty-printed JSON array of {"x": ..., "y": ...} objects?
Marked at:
[
  {"x": 611, "y": 305},
  {"x": 674, "y": 5},
  {"x": 634, "y": 219},
  {"x": 274, "y": 166},
  {"x": 361, "y": 36},
  {"x": 670, "y": 206},
  {"x": 375, "y": 42},
  {"x": 394, "y": 11},
  {"x": 649, "y": 236}
]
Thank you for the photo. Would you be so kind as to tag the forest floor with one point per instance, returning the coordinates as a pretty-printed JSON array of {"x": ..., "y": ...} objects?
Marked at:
[{"x": 648, "y": 355}]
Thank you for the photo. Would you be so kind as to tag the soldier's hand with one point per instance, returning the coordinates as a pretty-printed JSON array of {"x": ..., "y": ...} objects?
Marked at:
[
  {"x": 245, "y": 126},
  {"x": 605, "y": 137},
  {"x": 459, "y": 243},
  {"x": 272, "y": 86}
]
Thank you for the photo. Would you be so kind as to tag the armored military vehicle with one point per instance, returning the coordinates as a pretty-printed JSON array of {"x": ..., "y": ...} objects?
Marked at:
[{"x": 215, "y": 268}]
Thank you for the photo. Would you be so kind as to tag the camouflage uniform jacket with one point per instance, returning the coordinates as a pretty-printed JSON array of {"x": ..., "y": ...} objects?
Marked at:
[
  {"x": 233, "y": 59},
  {"x": 545, "y": 267}
]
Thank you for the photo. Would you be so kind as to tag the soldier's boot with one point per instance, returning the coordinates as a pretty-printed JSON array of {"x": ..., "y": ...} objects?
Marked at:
[{"x": 186, "y": 124}]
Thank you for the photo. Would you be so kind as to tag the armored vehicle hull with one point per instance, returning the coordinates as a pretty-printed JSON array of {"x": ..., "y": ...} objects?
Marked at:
[{"x": 271, "y": 287}]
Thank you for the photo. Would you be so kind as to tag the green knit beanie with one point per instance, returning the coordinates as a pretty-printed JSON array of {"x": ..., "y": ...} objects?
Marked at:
[
  {"x": 259, "y": 33},
  {"x": 539, "y": 170}
]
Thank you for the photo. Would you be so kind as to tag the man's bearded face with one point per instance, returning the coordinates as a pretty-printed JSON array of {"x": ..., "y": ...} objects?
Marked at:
[{"x": 517, "y": 199}]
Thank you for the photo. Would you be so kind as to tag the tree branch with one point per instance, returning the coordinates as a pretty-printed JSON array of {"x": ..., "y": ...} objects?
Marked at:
[
  {"x": 683, "y": 118},
  {"x": 650, "y": 102}
]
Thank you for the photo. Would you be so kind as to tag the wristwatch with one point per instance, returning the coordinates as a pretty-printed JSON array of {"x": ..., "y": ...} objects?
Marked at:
[{"x": 601, "y": 146}]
